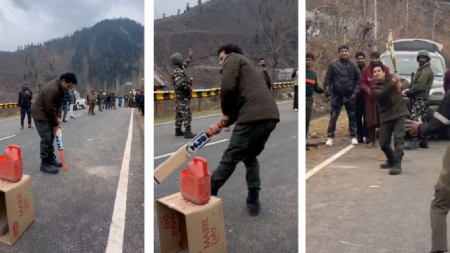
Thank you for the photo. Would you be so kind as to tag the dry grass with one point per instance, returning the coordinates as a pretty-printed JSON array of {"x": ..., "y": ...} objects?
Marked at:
[{"x": 318, "y": 135}]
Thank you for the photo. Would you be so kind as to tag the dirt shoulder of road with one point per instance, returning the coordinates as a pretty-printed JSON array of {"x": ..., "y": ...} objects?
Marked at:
[
  {"x": 318, "y": 135},
  {"x": 141, "y": 120}
]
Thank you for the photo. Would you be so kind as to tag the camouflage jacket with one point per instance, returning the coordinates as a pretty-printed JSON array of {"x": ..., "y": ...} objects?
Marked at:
[
  {"x": 100, "y": 97},
  {"x": 180, "y": 80},
  {"x": 113, "y": 98}
]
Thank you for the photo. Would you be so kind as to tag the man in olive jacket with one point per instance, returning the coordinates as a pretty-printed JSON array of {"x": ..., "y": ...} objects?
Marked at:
[
  {"x": 246, "y": 101},
  {"x": 393, "y": 113},
  {"x": 46, "y": 115}
]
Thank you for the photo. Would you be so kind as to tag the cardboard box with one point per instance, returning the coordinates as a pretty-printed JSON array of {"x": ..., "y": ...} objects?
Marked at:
[
  {"x": 186, "y": 227},
  {"x": 16, "y": 203}
]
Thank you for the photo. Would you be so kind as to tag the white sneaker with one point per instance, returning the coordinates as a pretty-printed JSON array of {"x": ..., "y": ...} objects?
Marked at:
[
  {"x": 295, "y": 110},
  {"x": 330, "y": 142},
  {"x": 354, "y": 141},
  {"x": 364, "y": 139}
]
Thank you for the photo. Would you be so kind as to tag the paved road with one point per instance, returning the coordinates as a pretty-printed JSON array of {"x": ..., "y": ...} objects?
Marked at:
[
  {"x": 74, "y": 208},
  {"x": 353, "y": 206},
  {"x": 276, "y": 229}
]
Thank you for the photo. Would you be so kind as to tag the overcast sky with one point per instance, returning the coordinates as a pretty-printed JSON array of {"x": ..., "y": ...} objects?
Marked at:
[
  {"x": 170, "y": 7},
  {"x": 58, "y": 17}
]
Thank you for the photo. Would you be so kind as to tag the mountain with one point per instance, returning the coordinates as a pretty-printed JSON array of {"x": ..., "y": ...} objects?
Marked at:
[
  {"x": 253, "y": 25},
  {"x": 103, "y": 56}
]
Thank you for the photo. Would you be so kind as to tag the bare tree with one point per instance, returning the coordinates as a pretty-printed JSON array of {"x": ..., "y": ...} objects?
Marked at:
[{"x": 274, "y": 24}]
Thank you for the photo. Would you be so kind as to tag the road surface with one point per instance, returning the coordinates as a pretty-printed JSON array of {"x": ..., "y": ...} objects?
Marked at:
[
  {"x": 74, "y": 208},
  {"x": 353, "y": 206},
  {"x": 276, "y": 228}
]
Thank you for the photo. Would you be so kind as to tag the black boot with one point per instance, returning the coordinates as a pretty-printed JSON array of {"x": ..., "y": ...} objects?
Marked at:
[
  {"x": 189, "y": 134},
  {"x": 214, "y": 191},
  {"x": 423, "y": 143},
  {"x": 388, "y": 164},
  {"x": 47, "y": 167},
  {"x": 253, "y": 204},
  {"x": 179, "y": 132},
  {"x": 397, "y": 169},
  {"x": 52, "y": 160},
  {"x": 412, "y": 145}
]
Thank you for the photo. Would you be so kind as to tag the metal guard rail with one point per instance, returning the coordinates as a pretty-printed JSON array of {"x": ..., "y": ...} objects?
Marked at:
[
  {"x": 10, "y": 105},
  {"x": 206, "y": 93}
]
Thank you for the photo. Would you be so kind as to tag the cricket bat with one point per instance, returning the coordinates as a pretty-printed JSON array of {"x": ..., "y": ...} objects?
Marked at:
[
  {"x": 180, "y": 157},
  {"x": 60, "y": 147}
]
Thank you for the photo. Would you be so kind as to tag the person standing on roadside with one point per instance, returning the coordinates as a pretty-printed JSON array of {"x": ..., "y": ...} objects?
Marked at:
[
  {"x": 371, "y": 110},
  {"x": 360, "y": 101},
  {"x": 24, "y": 102},
  {"x": 65, "y": 104},
  {"x": 295, "y": 77},
  {"x": 142, "y": 102},
  {"x": 246, "y": 101},
  {"x": 100, "y": 100},
  {"x": 342, "y": 84},
  {"x": 312, "y": 85},
  {"x": 72, "y": 102},
  {"x": 183, "y": 94},
  {"x": 126, "y": 100},
  {"x": 263, "y": 71},
  {"x": 45, "y": 113},
  {"x": 419, "y": 94}
]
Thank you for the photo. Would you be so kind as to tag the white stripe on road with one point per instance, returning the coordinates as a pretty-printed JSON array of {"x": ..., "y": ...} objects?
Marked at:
[
  {"x": 6, "y": 137},
  {"x": 328, "y": 161},
  {"x": 117, "y": 229},
  {"x": 206, "y": 116},
  {"x": 209, "y": 144}
]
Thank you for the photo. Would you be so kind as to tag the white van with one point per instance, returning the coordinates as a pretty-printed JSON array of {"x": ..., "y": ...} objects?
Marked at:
[{"x": 80, "y": 102}]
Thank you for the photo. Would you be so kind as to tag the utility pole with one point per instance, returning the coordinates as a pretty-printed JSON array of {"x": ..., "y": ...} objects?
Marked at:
[
  {"x": 407, "y": 15},
  {"x": 434, "y": 24},
  {"x": 375, "y": 28}
]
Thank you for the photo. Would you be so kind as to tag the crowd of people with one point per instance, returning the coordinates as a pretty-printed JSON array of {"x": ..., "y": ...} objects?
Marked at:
[{"x": 373, "y": 99}]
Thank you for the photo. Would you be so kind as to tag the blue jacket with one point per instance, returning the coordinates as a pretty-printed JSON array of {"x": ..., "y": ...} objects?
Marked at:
[{"x": 66, "y": 98}]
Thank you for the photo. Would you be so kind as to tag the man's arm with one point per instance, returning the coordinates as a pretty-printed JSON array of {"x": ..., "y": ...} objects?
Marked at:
[
  {"x": 182, "y": 82},
  {"x": 440, "y": 119},
  {"x": 18, "y": 100},
  {"x": 327, "y": 82},
  {"x": 186, "y": 63},
  {"x": 420, "y": 85},
  {"x": 317, "y": 88},
  {"x": 267, "y": 79},
  {"x": 380, "y": 91},
  {"x": 357, "y": 88},
  {"x": 364, "y": 83},
  {"x": 228, "y": 92},
  {"x": 52, "y": 109}
]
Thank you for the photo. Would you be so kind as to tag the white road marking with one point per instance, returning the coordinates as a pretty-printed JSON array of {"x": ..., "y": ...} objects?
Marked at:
[
  {"x": 209, "y": 144},
  {"x": 206, "y": 116},
  {"x": 77, "y": 115},
  {"x": 117, "y": 229},
  {"x": 328, "y": 161},
  {"x": 6, "y": 137}
]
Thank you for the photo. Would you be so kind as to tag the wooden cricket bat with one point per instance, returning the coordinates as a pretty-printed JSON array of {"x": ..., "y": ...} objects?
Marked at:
[
  {"x": 60, "y": 147},
  {"x": 183, "y": 154}
]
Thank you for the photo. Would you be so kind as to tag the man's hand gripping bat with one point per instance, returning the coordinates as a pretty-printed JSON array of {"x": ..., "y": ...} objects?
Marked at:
[{"x": 60, "y": 147}]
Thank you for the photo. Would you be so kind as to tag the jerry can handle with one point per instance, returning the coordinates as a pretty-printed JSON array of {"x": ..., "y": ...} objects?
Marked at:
[
  {"x": 19, "y": 149},
  {"x": 204, "y": 164}
]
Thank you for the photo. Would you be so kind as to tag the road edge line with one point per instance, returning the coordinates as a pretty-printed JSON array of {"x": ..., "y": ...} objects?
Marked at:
[
  {"x": 325, "y": 163},
  {"x": 117, "y": 228},
  {"x": 210, "y": 115}
]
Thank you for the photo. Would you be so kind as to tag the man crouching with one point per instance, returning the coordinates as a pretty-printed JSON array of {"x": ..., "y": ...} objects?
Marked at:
[{"x": 393, "y": 113}]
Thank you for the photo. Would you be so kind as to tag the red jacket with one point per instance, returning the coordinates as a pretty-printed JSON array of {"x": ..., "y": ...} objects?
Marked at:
[{"x": 367, "y": 79}]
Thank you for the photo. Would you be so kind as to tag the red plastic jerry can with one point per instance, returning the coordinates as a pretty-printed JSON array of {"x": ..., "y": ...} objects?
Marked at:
[
  {"x": 196, "y": 182},
  {"x": 11, "y": 164}
]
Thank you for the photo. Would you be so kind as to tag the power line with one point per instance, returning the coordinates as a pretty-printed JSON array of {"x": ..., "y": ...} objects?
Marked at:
[
  {"x": 22, "y": 18},
  {"x": 25, "y": 7}
]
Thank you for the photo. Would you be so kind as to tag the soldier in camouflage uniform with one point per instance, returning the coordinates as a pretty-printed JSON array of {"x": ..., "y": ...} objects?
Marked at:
[
  {"x": 419, "y": 94},
  {"x": 100, "y": 99},
  {"x": 183, "y": 91},
  {"x": 92, "y": 101},
  {"x": 113, "y": 100}
]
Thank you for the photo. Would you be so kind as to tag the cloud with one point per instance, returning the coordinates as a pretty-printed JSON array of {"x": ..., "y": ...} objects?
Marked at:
[{"x": 54, "y": 18}]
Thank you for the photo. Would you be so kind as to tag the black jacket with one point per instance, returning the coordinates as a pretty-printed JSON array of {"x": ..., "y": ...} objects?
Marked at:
[
  {"x": 343, "y": 78},
  {"x": 25, "y": 99},
  {"x": 440, "y": 119}
]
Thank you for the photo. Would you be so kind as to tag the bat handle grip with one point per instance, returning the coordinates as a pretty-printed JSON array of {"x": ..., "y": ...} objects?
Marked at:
[{"x": 210, "y": 131}]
